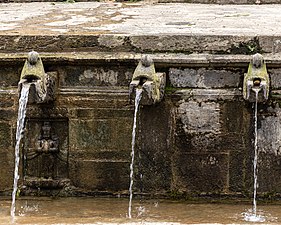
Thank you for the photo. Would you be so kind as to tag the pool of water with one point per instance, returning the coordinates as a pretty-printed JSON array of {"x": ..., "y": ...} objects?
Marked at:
[{"x": 114, "y": 211}]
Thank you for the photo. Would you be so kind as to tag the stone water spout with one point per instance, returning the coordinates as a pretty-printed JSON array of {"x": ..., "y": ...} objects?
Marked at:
[
  {"x": 256, "y": 79},
  {"x": 152, "y": 83},
  {"x": 42, "y": 86}
]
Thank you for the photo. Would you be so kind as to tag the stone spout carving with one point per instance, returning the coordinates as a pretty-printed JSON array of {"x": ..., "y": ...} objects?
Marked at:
[
  {"x": 152, "y": 83},
  {"x": 256, "y": 80},
  {"x": 42, "y": 88}
]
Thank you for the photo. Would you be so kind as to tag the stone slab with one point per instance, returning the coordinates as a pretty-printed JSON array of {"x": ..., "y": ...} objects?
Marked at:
[
  {"x": 209, "y": 169},
  {"x": 100, "y": 175},
  {"x": 170, "y": 1},
  {"x": 236, "y": 2},
  {"x": 140, "y": 27}
]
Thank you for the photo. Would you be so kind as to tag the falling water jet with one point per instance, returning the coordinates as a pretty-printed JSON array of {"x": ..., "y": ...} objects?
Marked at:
[
  {"x": 255, "y": 89},
  {"x": 20, "y": 128},
  {"x": 147, "y": 87},
  {"x": 255, "y": 155},
  {"x": 252, "y": 216},
  {"x": 137, "y": 101}
]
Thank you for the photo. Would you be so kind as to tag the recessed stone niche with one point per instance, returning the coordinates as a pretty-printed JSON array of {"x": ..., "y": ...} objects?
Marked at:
[{"x": 45, "y": 153}]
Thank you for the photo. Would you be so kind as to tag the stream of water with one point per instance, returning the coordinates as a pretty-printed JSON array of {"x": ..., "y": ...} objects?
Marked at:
[
  {"x": 253, "y": 216},
  {"x": 255, "y": 163},
  {"x": 137, "y": 101},
  {"x": 20, "y": 129}
]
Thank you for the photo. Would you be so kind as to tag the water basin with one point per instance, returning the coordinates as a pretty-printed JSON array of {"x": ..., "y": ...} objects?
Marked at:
[{"x": 114, "y": 211}]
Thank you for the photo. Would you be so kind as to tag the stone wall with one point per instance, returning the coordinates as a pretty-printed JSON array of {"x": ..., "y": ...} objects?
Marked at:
[{"x": 197, "y": 141}]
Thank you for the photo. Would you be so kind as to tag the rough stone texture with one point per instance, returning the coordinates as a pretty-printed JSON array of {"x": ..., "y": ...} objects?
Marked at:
[
  {"x": 154, "y": 148},
  {"x": 215, "y": 140},
  {"x": 197, "y": 140},
  {"x": 99, "y": 26},
  {"x": 43, "y": 164},
  {"x": 98, "y": 175},
  {"x": 269, "y": 148},
  {"x": 269, "y": 135},
  {"x": 191, "y": 170},
  {"x": 275, "y": 78},
  {"x": 97, "y": 76},
  {"x": 199, "y": 117},
  {"x": 6, "y": 166},
  {"x": 238, "y": 2},
  {"x": 237, "y": 140},
  {"x": 202, "y": 78},
  {"x": 169, "y": 1},
  {"x": 5, "y": 135}
]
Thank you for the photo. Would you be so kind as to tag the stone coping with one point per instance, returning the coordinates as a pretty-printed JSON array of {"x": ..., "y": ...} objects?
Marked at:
[
  {"x": 140, "y": 27},
  {"x": 160, "y": 59},
  {"x": 237, "y": 2}
]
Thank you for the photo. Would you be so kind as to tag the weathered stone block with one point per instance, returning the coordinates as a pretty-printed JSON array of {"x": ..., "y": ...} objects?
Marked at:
[
  {"x": 92, "y": 134},
  {"x": 275, "y": 80},
  {"x": 5, "y": 136},
  {"x": 237, "y": 171},
  {"x": 6, "y": 167},
  {"x": 202, "y": 78},
  {"x": 153, "y": 149},
  {"x": 87, "y": 102},
  {"x": 111, "y": 41},
  {"x": 96, "y": 175},
  {"x": 200, "y": 172},
  {"x": 123, "y": 133},
  {"x": 191, "y": 43},
  {"x": 114, "y": 113},
  {"x": 96, "y": 76},
  {"x": 199, "y": 117},
  {"x": 9, "y": 76},
  {"x": 269, "y": 173},
  {"x": 269, "y": 135},
  {"x": 8, "y": 100}
]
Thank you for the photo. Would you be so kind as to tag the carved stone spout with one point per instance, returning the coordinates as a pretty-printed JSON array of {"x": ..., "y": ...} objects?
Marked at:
[
  {"x": 152, "y": 83},
  {"x": 256, "y": 80},
  {"x": 42, "y": 85}
]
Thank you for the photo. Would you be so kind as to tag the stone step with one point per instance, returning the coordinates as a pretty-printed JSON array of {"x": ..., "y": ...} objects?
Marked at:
[
  {"x": 163, "y": 1},
  {"x": 235, "y": 2},
  {"x": 140, "y": 27}
]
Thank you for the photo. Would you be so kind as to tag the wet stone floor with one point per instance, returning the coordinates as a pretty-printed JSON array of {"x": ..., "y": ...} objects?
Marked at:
[{"x": 114, "y": 211}]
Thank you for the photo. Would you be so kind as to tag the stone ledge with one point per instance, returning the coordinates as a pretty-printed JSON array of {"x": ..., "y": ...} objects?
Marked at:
[
  {"x": 234, "y": 2},
  {"x": 146, "y": 43},
  {"x": 114, "y": 27},
  {"x": 160, "y": 59}
]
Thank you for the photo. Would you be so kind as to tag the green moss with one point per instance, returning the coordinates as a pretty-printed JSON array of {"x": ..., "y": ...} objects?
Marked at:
[
  {"x": 248, "y": 48},
  {"x": 170, "y": 90}
]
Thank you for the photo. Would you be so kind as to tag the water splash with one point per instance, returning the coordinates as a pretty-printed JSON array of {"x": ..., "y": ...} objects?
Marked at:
[
  {"x": 137, "y": 101},
  {"x": 251, "y": 216},
  {"x": 19, "y": 134}
]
